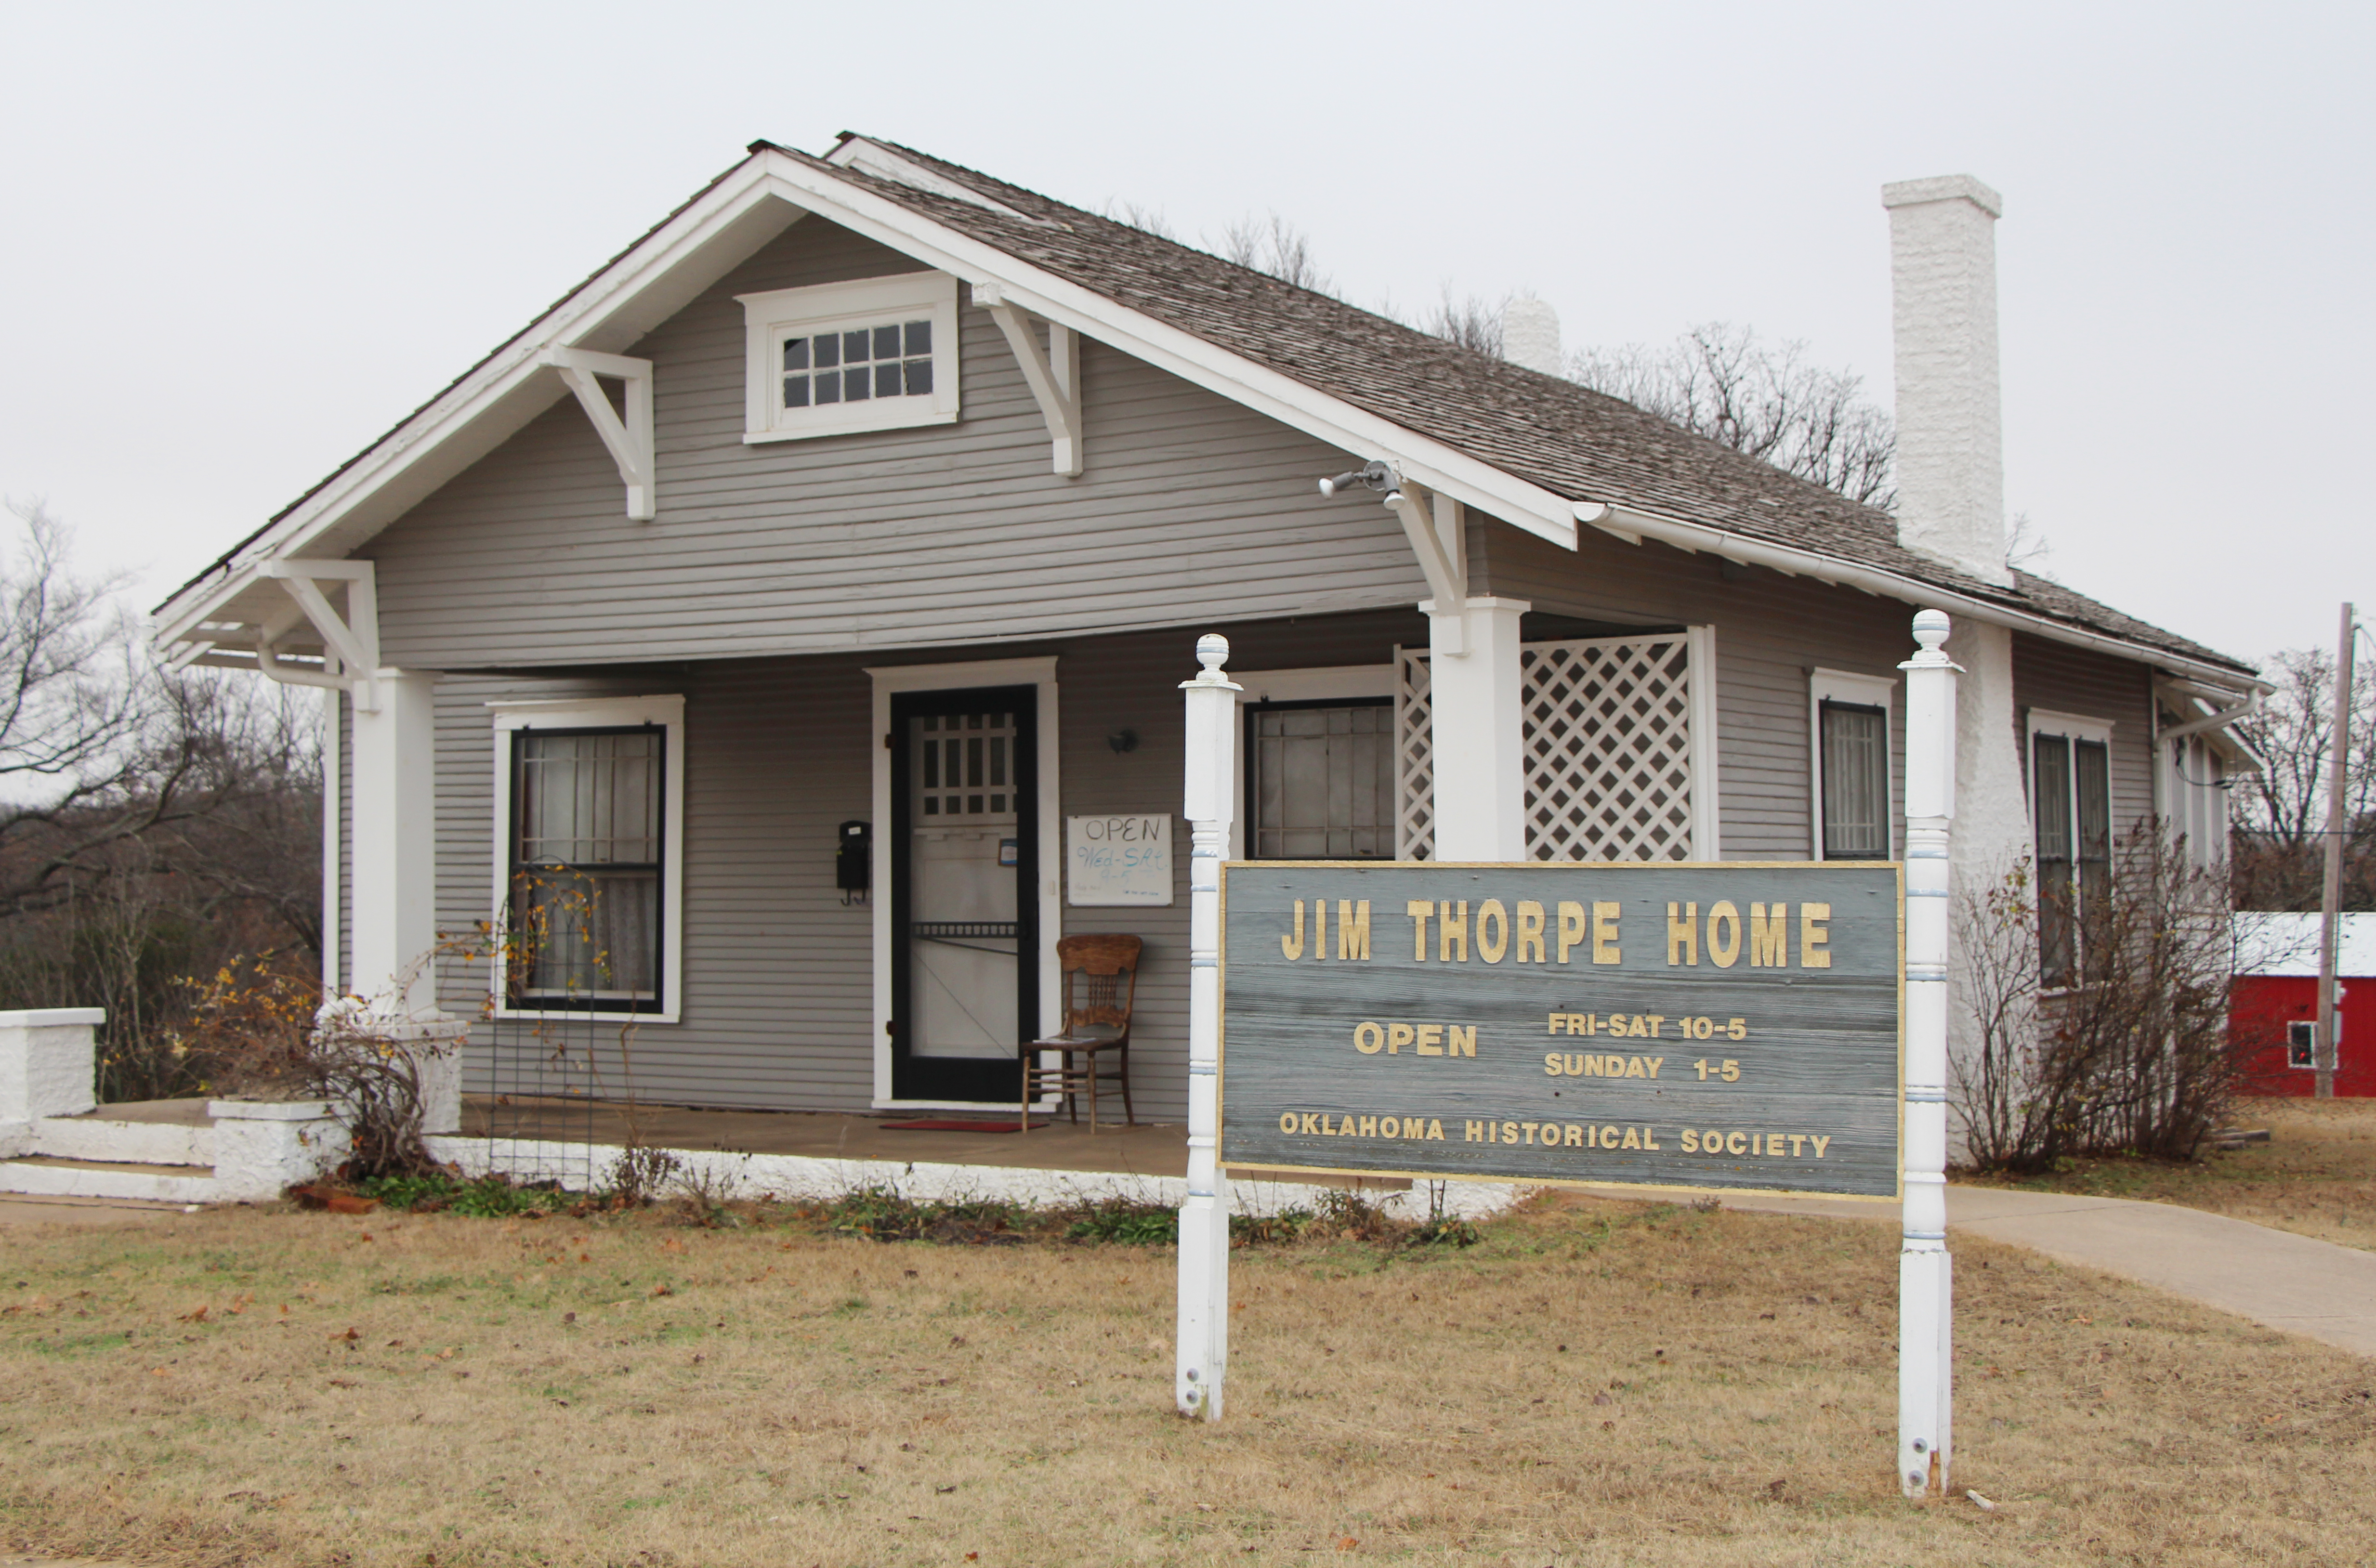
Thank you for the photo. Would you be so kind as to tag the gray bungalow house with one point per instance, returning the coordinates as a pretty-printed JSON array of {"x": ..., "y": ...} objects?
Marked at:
[{"x": 785, "y": 629}]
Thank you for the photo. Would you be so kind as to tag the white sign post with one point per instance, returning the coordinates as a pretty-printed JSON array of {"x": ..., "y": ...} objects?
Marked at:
[
  {"x": 1204, "y": 1344},
  {"x": 1925, "y": 1278}
]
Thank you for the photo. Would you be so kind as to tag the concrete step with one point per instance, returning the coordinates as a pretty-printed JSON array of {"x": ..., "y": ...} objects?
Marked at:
[
  {"x": 50, "y": 1176},
  {"x": 97, "y": 1136}
]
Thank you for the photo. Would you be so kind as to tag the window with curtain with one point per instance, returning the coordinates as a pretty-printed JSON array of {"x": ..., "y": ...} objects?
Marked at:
[
  {"x": 1855, "y": 781},
  {"x": 1320, "y": 781},
  {"x": 586, "y": 868},
  {"x": 2071, "y": 801}
]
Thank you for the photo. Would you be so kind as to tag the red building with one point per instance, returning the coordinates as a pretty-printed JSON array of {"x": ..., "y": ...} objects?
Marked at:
[{"x": 2273, "y": 1010}]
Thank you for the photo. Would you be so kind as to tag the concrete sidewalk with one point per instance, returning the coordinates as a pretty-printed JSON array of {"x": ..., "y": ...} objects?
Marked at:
[{"x": 2273, "y": 1277}]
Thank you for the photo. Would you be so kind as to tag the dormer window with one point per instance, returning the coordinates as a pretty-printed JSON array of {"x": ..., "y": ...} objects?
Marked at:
[{"x": 841, "y": 357}]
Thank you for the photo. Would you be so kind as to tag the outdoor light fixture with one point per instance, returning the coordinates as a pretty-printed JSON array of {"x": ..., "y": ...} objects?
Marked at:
[
  {"x": 1123, "y": 740},
  {"x": 1377, "y": 476}
]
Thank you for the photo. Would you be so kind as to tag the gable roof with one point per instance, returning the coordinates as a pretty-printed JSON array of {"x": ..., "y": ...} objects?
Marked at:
[{"x": 1536, "y": 450}]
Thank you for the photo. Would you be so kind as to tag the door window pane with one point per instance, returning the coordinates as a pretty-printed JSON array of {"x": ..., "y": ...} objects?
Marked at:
[
  {"x": 1855, "y": 782},
  {"x": 1322, "y": 781}
]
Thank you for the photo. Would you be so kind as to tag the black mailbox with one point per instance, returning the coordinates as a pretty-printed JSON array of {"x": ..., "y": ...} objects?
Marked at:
[{"x": 853, "y": 861}]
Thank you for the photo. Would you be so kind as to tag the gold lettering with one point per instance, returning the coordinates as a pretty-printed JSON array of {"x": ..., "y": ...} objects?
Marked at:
[
  {"x": 1583, "y": 1023},
  {"x": 1293, "y": 946},
  {"x": 1530, "y": 931},
  {"x": 1398, "y": 1035},
  {"x": 1754, "y": 1147},
  {"x": 1796, "y": 1140},
  {"x": 1575, "y": 1064},
  {"x": 1604, "y": 933},
  {"x": 1712, "y": 1142},
  {"x": 1575, "y": 1136},
  {"x": 1287, "y": 1122},
  {"x": 1491, "y": 948},
  {"x": 1530, "y": 1127},
  {"x": 1459, "y": 1041},
  {"x": 1435, "y": 1131},
  {"x": 1509, "y": 1131},
  {"x": 1813, "y": 936},
  {"x": 1648, "y": 1141},
  {"x": 1820, "y": 1141},
  {"x": 1558, "y": 1024},
  {"x": 1552, "y": 1066},
  {"x": 1609, "y": 1136},
  {"x": 1431, "y": 1038},
  {"x": 1369, "y": 1126},
  {"x": 1634, "y": 1068},
  {"x": 1633, "y": 1138},
  {"x": 1773, "y": 1145},
  {"x": 1736, "y": 1142},
  {"x": 1724, "y": 951},
  {"x": 1690, "y": 1141},
  {"x": 1655, "y": 1063},
  {"x": 1368, "y": 1039},
  {"x": 1682, "y": 934},
  {"x": 1352, "y": 929},
  {"x": 1657, "y": 1019},
  {"x": 1320, "y": 928},
  {"x": 1390, "y": 1127},
  {"x": 1571, "y": 927},
  {"x": 1477, "y": 1133},
  {"x": 1451, "y": 929},
  {"x": 1769, "y": 937},
  {"x": 1310, "y": 1123},
  {"x": 1419, "y": 909}
]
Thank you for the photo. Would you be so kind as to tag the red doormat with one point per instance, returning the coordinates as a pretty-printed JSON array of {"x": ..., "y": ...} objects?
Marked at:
[{"x": 942, "y": 1126}]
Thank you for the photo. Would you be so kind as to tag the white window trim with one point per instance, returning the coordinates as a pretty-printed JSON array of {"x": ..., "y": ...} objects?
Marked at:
[
  {"x": 2070, "y": 727},
  {"x": 1040, "y": 674},
  {"x": 1323, "y": 683},
  {"x": 1862, "y": 691},
  {"x": 770, "y": 318},
  {"x": 600, "y": 713},
  {"x": 2311, "y": 1023}
]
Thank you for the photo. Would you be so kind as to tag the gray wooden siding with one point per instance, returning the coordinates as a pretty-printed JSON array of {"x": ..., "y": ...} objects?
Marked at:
[
  {"x": 778, "y": 1008},
  {"x": 1770, "y": 632},
  {"x": 1190, "y": 507},
  {"x": 2094, "y": 685}
]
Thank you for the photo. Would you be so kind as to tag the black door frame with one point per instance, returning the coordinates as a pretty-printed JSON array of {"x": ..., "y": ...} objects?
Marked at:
[{"x": 981, "y": 1080}]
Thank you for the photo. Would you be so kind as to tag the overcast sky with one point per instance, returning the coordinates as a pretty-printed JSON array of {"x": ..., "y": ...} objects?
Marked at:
[{"x": 243, "y": 239}]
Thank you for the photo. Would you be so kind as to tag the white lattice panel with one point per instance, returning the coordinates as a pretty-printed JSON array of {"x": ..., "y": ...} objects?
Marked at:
[
  {"x": 1414, "y": 760},
  {"x": 1608, "y": 749}
]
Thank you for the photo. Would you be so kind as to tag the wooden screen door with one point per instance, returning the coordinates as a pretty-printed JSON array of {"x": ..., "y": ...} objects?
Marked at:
[{"x": 965, "y": 991}]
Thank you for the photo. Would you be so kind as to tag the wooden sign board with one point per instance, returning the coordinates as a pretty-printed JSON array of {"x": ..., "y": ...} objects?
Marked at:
[{"x": 1732, "y": 1026}]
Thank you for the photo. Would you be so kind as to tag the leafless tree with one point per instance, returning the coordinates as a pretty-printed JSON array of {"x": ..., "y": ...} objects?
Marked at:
[
  {"x": 1719, "y": 381},
  {"x": 1468, "y": 320},
  {"x": 2280, "y": 835},
  {"x": 154, "y": 825},
  {"x": 1277, "y": 247},
  {"x": 1145, "y": 218}
]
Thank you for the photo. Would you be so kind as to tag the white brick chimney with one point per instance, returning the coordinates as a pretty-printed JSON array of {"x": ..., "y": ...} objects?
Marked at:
[
  {"x": 1950, "y": 431},
  {"x": 1530, "y": 334}
]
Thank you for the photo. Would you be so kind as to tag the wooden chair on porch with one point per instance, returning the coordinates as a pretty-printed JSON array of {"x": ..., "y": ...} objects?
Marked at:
[{"x": 1101, "y": 985}]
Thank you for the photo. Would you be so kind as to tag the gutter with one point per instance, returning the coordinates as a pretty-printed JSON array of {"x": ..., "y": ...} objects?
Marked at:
[{"x": 1693, "y": 538}]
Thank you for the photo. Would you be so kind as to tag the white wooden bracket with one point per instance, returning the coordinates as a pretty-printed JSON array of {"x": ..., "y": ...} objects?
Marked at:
[
  {"x": 352, "y": 640},
  {"x": 1437, "y": 527},
  {"x": 1052, "y": 374},
  {"x": 629, "y": 440}
]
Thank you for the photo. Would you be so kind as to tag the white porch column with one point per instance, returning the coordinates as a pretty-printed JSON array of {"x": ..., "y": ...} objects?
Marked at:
[
  {"x": 394, "y": 764},
  {"x": 1478, "y": 743}
]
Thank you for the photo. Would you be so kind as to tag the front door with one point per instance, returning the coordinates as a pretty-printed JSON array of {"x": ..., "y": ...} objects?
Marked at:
[{"x": 964, "y": 821}]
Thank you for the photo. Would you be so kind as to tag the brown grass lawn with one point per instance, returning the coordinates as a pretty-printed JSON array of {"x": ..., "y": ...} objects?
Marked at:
[
  {"x": 2316, "y": 1175},
  {"x": 1593, "y": 1384}
]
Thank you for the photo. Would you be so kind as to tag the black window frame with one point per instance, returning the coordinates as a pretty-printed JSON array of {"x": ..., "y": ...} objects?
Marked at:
[
  {"x": 1824, "y": 707},
  {"x": 1250, "y": 736},
  {"x": 517, "y": 998}
]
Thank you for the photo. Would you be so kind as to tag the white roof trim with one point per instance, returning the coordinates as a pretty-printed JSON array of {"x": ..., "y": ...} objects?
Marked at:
[{"x": 873, "y": 158}]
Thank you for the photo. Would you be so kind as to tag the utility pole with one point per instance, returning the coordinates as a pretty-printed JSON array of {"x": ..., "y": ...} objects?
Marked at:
[{"x": 2330, "y": 897}]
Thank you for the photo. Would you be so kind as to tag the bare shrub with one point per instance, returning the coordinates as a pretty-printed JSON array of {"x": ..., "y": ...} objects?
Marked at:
[{"x": 2133, "y": 1056}]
